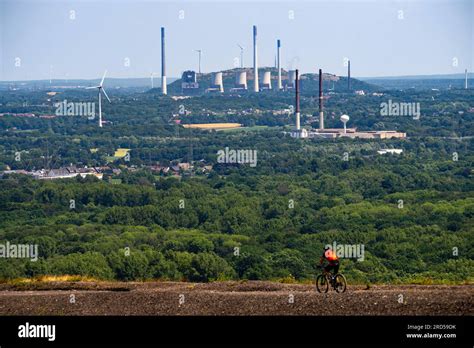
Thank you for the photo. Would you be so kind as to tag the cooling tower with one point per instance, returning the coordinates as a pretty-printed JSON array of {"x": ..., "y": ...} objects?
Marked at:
[
  {"x": 279, "y": 85},
  {"x": 241, "y": 80},
  {"x": 216, "y": 82},
  {"x": 255, "y": 61},
  {"x": 321, "y": 114},
  {"x": 267, "y": 80},
  {"x": 163, "y": 67}
]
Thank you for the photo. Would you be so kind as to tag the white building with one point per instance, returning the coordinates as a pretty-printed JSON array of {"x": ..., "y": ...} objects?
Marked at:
[{"x": 391, "y": 151}]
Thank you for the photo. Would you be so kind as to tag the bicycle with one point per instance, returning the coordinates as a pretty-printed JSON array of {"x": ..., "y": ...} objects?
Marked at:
[{"x": 338, "y": 282}]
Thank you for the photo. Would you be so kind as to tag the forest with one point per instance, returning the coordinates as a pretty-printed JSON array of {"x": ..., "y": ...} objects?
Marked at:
[{"x": 413, "y": 212}]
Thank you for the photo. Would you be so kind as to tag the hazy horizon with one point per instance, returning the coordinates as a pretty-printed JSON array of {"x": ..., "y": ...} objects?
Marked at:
[
  {"x": 81, "y": 39},
  {"x": 171, "y": 79}
]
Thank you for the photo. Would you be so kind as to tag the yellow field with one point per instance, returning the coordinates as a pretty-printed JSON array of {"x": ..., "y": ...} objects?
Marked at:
[
  {"x": 213, "y": 125},
  {"x": 121, "y": 153},
  {"x": 50, "y": 278}
]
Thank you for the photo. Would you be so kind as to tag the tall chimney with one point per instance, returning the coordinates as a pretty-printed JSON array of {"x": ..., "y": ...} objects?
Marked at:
[
  {"x": 321, "y": 114},
  {"x": 255, "y": 60},
  {"x": 163, "y": 67},
  {"x": 279, "y": 85},
  {"x": 465, "y": 79},
  {"x": 297, "y": 101},
  {"x": 349, "y": 75}
]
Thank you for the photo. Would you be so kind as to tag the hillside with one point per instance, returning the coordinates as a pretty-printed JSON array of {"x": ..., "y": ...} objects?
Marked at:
[{"x": 309, "y": 82}]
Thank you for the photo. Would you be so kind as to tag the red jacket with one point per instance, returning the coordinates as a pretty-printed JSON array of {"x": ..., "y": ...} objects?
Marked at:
[{"x": 331, "y": 256}]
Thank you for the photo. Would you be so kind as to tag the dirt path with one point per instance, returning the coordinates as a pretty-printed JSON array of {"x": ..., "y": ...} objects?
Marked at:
[{"x": 231, "y": 298}]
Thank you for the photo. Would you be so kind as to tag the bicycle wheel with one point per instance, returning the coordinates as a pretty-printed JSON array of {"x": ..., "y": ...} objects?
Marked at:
[
  {"x": 340, "y": 283},
  {"x": 322, "y": 284}
]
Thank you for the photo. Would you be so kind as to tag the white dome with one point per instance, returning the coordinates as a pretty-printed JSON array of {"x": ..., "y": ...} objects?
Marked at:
[{"x": 345, "y": 118}]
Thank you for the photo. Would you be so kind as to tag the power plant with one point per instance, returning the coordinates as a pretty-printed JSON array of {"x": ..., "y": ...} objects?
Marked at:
[
  {"x": 189, "y": 84},
  {"x": 163, "y": 66},
  {"x": 255, "y": 61},
  {"x": 332, "y": 133}
]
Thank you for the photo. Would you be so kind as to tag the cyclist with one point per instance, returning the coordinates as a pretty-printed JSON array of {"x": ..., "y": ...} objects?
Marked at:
[{"x": 330, "y": 256}]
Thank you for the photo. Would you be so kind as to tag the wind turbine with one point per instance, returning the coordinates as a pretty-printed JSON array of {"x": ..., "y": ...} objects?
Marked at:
[
  {"x": 199, "y": 51},
  {"x": 151, "y": 77},
  {"x": 50, "y": 74},
  {"x": 101, "y": 89},
  {"x": 241, "y": 56}
]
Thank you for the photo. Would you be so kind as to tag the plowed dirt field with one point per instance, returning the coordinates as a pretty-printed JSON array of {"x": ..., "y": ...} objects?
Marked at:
[{"x": 230, "y": 298}]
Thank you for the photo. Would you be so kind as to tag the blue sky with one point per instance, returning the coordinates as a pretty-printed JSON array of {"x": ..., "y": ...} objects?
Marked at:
[{"x": 80, "y": 39}]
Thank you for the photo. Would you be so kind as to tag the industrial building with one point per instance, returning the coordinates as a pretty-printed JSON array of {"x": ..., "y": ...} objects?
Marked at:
[
  {"x": 332, "y": 133},
  {"x": 390, "y": 151},
  {"x": 353, "y": 133},
  {"x": 189, "y": 82}
]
